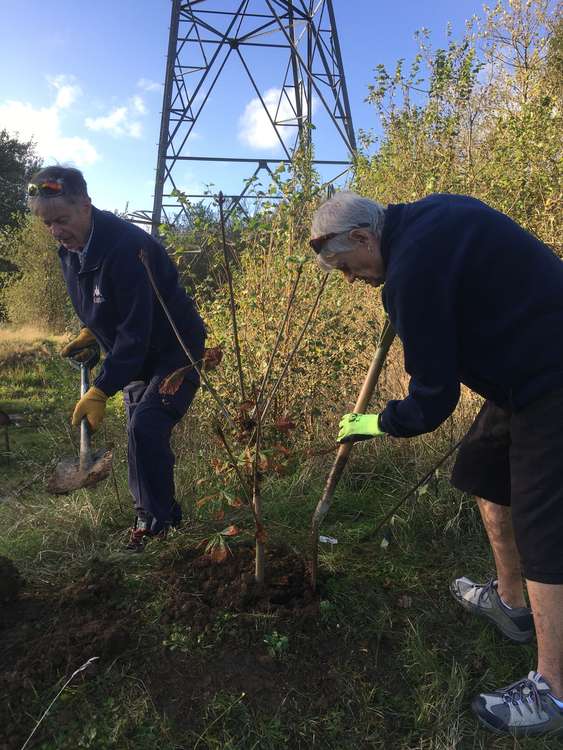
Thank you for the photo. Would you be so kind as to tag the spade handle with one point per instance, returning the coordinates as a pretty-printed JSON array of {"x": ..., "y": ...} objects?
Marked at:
[
  {"x": 344, "y": 450},
  {"x": 85, "y": 446}
]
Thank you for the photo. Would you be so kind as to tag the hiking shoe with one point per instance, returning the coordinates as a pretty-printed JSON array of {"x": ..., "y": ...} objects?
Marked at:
[
  {"x": 142, "y": 532},
  {"x": 138, "y": 535},
  {"x": 484, "y": 600},
  {"x": 524, "y": 709}
]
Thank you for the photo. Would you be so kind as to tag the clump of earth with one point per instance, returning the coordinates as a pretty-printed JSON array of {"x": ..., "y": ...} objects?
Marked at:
[{"x": 11, "y": 582}]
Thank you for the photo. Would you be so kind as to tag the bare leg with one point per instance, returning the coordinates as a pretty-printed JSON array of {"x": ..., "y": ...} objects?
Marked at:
[
  {"x": 497, "y": 520},
  {"x": 547, "y": 608}
]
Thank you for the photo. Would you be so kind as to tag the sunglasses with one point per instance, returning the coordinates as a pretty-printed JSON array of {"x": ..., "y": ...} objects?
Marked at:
[
  {"x": 318, "y": 242},
  {"x": 47, "y": 189}
]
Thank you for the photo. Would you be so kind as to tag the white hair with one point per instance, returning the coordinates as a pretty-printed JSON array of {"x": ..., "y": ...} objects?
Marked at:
[{"x": 342, "y": 213}]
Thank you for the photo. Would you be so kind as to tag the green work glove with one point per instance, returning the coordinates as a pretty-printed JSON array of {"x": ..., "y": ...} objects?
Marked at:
[
  {"x": 92, "y": 405},
  {"x": 77, "y": 346},
  {"x": 354, "y": 427}
]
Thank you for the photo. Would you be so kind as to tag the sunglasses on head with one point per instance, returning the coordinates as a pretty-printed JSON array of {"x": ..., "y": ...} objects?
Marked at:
[
  {"x": 47, "y": 189},
  {"x": 318, "y": 242}
]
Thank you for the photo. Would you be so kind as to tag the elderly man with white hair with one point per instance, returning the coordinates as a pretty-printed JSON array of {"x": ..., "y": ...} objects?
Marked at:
[{"x": 476, "y": 299}]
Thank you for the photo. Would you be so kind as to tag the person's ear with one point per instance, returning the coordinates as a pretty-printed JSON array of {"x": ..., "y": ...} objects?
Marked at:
[{"x": 360, "y": 235}]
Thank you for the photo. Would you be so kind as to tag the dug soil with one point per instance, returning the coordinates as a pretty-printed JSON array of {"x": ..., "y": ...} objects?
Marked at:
[{"x": 189, "y": 629}]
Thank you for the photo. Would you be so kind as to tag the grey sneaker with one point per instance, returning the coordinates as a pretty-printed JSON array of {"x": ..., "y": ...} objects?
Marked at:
[
  {"x": 524, "y": 709},
  {"x": 484, "y": 600}
]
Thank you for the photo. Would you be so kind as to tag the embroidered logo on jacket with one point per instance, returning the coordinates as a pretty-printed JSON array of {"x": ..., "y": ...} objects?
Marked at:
[{"x": 98, "y": 297}]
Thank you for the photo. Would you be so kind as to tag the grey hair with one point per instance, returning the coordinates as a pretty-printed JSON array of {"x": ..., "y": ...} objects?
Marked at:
[{"x": 344, "y": 211}]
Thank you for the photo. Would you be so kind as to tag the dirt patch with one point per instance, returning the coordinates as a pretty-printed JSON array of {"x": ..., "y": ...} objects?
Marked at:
[
  {"x": 229, "y": 635},
  {"x": 199, "y": 584},
  {"x": 46, "y": 635},
  {"x": 11, "y": 582},
  {"x": 206, "y": 629}
]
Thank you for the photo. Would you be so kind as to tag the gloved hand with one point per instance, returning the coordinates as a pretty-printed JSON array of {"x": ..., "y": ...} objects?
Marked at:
[
  {"x": 78, "y": 346},
  {"x": 92, "y": 405},
  {"x": 354, "y": 427}
]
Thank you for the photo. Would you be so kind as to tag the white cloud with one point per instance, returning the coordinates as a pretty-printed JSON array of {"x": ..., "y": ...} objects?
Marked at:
[
  {"x": 121, "y": 120},
  {"x": 138, "y": 104},
  {"x": 113, "y": 122},
  {"x": 255, "y": 128},
  {"x": 68, "y": 90},
  {"x": 44, "y": 125},
  {"x": 147, "y": 85}
]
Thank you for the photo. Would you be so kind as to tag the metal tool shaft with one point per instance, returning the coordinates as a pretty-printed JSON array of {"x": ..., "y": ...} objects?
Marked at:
[{"x": 85, "y": 444}]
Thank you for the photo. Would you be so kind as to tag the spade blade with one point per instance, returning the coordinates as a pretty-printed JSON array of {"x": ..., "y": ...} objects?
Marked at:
[{"x": 68, "y": 476}]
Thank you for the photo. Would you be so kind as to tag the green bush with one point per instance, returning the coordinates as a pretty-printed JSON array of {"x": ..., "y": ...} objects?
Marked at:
[
  {"x": 480, "y": 117},
  {"x": 32, "y": 290}
]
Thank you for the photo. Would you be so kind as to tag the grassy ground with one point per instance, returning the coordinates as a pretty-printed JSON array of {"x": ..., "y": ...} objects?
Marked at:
[{"x": 384, "y": 660}]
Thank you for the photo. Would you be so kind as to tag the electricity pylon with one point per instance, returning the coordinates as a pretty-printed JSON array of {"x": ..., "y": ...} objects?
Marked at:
[{"x": 294, "y": 43}]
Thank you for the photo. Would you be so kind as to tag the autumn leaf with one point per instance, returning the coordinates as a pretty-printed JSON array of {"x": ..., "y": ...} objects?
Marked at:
[
  {"x": 204, "y": 500},
  {"x": 212, "y": 358},
  {"x": 285, "y": 424},
  {"x": 282, "y": 449},
  {"x": 231, "y": 531},
  {"x": 171, "y": 384},
  {"x": 219, "y": 553}
]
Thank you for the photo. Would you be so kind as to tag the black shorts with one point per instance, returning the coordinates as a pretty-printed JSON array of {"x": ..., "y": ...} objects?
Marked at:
[{"x": 516, "y": 459}]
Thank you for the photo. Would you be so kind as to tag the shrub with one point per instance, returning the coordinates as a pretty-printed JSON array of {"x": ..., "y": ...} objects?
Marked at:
[{"x": 33, "y": 292}]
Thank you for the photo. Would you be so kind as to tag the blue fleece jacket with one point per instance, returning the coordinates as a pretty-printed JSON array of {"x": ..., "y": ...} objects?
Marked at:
[
  {"x": 112, "y": 296},
  {"x": 475, "y": 299}
]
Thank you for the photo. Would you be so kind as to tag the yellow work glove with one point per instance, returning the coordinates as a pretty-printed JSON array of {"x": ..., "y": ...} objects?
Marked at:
[
  {"x": 84, "y": 339},
  {"x": 92, "y": 405}
]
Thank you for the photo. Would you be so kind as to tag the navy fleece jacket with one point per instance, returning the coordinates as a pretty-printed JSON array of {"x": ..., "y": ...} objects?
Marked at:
[
  {"x": 475, "y": 299},
  {"x": 112, "y": 296}
]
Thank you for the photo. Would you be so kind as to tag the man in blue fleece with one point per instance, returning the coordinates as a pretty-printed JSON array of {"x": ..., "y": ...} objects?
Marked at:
[
  {"x": 112, "y": 296},
  {"x": 476, "y": 299}
]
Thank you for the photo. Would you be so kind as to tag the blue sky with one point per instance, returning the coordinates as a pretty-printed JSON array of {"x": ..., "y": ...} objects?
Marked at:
[{"x": 85, "y": 80}]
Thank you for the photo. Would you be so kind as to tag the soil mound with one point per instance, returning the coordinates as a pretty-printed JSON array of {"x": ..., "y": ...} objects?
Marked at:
[{"x": 11, "y": 582}]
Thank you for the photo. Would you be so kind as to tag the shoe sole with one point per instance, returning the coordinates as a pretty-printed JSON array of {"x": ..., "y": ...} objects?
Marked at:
[
  {"x": 519, "y": 638},
  {"x": 555, "y": 735}
]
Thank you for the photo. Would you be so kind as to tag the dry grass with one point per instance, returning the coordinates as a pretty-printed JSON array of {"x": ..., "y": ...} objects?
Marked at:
[{"x": 10, "y": 335}]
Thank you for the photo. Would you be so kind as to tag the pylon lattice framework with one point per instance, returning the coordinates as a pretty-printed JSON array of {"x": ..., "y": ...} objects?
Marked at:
[{"x": 203, "y": 37}]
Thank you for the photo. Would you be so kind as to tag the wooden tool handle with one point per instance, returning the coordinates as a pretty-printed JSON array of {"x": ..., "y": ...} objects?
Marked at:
[{"x": 366, "y": 392}]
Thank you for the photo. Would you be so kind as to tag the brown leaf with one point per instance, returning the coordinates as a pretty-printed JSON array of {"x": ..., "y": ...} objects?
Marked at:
[
  {"x": 219, "y": 553},
  {"x": 219, "y": 515},
  {"x": 282, "y": 449},
  {"x": 246, "y": 406},
  {"x": 285, "y": 424},
  {"x": 264, "y": 463},
  {"x": 212, "y": 358},
  {"x": 204, "y": 500},
  {"x": 231, "y": 531},
  {"x": 171, "y": 383}
]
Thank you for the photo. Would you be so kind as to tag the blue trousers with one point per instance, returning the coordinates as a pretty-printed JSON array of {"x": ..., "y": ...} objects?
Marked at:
[{"x": 150, "y": 419}]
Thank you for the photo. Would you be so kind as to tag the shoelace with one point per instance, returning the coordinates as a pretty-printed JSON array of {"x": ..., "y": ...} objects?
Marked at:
[
  {"x": 486, "y": 591},
  {"x": 525, "y": 692}
]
